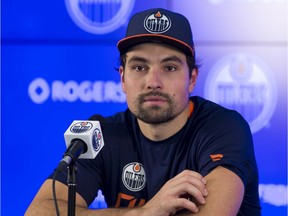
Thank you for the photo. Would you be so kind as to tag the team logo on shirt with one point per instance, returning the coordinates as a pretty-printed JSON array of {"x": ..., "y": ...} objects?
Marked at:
[
  {"x": 134, "y": 177},
  {"x": 216, "y": 157},
  {"x": 157, "y": 23}
]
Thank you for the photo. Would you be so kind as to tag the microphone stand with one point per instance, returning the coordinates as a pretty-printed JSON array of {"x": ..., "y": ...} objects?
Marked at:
[{"x": 71, "y": 189}]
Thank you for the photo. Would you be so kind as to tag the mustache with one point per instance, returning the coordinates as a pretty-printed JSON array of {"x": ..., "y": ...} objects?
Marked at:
[{"x": 155, "y": 93}]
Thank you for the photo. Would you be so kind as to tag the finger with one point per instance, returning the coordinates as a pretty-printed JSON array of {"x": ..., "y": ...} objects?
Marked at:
[
  {"x": 186, "y": 204},
  {"x": 187, "y": 189},
  {"x": 190, "y": 179},
  {"x": 192, "y": 174}
]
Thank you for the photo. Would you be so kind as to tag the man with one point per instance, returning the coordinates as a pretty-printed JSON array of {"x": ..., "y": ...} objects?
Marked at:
[{"x": 167, "y": 154}]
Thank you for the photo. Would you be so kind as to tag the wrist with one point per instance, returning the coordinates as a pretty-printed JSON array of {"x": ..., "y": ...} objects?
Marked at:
[{"x": 137, "y": 211}]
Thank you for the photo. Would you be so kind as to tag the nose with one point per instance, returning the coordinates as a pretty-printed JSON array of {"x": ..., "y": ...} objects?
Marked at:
[{"x": 154, "y": 80}]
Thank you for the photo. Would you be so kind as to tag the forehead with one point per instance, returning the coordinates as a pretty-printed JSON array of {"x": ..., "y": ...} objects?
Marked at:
[{"x": 152, "y": 49}]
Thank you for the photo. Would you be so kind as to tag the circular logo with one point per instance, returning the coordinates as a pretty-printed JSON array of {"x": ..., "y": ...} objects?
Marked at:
[
  {"x": 243, "y": 83},
  {"x": 133, "y": 176},
  {"x": 99, "y": 17},
  {"x": 81, "y": 127},
  {"x": 157, "y": 23},
  {"x": 39, "y": 90},
  {"x": 96, "y": 139}
]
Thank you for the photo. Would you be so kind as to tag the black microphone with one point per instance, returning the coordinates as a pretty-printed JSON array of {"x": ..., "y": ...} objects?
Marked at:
[{"x": 83, "y": 139}]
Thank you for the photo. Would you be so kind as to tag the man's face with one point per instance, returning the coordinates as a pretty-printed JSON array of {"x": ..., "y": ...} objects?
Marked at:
[{"x": 156, "y": 82}]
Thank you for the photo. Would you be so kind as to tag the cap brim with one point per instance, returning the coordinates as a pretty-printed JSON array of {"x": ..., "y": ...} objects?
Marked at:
[{"x": 128, "y": 42}]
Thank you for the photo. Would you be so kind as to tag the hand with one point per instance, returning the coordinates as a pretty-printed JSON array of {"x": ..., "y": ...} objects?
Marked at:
[{"x": 184, "y": 191}]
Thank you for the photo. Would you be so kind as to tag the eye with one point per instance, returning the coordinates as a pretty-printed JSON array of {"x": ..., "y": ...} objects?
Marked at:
[
  {"x": 170, "y": 68},
  {"x": 139, "y": 68}
]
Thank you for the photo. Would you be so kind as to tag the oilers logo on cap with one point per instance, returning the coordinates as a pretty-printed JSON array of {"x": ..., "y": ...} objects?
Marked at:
[{"x": 157, "y": 23}]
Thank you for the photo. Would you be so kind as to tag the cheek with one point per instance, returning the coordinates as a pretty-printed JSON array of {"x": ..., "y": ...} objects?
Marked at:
[
  {"x": 132, "y": 85},
  {"x": 128, "y": 86},
  {"x": 130, "y": 89},
  {"x": 132, "y": 101},
  {"x": 181, "y": 92},
  {"x": 183, "y": 87}
]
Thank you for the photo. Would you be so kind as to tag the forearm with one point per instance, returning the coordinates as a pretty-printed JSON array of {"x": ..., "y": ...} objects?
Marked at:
[
  {"x": 166, "y": 202},
  {"x": 43, "y": 204},
  {"x": 47, "y": 207}
]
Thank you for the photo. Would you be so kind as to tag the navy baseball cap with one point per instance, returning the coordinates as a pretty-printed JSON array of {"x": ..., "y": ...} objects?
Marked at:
[{"x": 159, "y": 25}]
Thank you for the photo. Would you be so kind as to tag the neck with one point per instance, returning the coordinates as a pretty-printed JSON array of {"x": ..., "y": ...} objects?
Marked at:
[{"x": 158, "y": 132}]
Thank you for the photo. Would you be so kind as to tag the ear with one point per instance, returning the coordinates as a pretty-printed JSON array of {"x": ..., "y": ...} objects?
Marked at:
[
  {"x": 121, "y": 72},
  {"x": 193, "y": 79}
]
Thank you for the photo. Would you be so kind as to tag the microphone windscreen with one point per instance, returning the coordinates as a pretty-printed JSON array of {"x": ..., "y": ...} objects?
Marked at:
[{"x": 97, "y": 117}]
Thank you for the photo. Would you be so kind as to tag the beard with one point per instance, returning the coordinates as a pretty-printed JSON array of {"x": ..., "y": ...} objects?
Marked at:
[{"x": 155, "y": 114}]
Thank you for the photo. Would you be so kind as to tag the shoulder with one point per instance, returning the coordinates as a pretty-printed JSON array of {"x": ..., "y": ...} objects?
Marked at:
[
  {"x": 204, "y": 105},
  {"x": 211, "y": 119},
  {"x": 212, "y": 112}
]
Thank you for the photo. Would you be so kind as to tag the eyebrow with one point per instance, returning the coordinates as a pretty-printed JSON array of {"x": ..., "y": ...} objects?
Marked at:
[
  {"x": 173, "y": 58},
  {"x": 144, "y": 60},
  {"x": 137, "y": 58}
]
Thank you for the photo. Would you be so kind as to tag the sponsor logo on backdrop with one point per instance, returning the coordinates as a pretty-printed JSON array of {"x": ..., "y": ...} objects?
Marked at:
[
  {"x": 99, "y": 16},
  {"x": 274, "y": 194},
  {"x": 41, "y": 91},
  {"x": 244, "y": 83},
  {"x": 133, "y": 176}
]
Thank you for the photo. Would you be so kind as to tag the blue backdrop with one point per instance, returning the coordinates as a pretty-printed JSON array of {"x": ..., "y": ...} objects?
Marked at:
[{"x": 58, "y": 65}]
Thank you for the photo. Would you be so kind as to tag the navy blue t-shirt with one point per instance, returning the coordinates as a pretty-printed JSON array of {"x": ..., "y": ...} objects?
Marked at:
[
  {"x": 131, "y": 169},
  {"x": 157, "y": 156}
]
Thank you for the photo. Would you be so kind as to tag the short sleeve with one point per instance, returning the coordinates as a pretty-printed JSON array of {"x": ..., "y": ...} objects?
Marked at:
[{"x": 227, "y": 141}]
